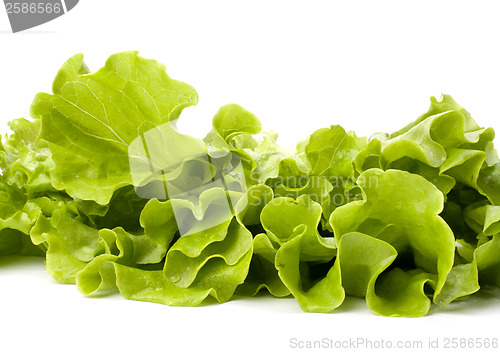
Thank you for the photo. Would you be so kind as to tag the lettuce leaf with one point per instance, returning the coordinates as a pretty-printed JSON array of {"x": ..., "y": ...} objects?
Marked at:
[
  {"x": 103, "y": 184},
  {"x": 411, "y": 224},
  {"x": 304, "y": 257},
  {"x": 91, "y": 119}
]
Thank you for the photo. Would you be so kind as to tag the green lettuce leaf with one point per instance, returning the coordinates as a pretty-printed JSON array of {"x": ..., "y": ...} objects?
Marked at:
[
  {"x": 119, "y": 247},
  {"x": 71, "y": 245},
  {"x": 103, "y": 184},
  {"x": 232, "y": 120},
  {"x": 409, "y": 221},
  {"x": 331, "y": 152},
  {"x": 488, "y": 262},
  {"x": 304, "y": 258},
  {"x": 262, "y": 273},
  {"x": 91, "y": 118},
  {"x": 24, "y": 164}
]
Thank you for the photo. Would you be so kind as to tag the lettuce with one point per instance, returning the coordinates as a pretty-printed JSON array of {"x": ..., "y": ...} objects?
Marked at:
[
  {"x": 103, "y": 185},
  {"x": 89, "y": 113}
]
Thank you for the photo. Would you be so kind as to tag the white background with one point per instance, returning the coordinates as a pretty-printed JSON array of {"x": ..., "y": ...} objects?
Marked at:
[{"x": 366, "y": 65}]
